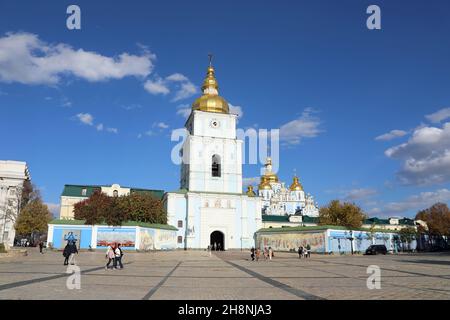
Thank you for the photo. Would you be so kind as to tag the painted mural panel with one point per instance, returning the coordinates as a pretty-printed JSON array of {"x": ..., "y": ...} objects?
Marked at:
[
  {"x": 125, "y": 237},
  {"x": 147, "y": 239},
  {"x": 166, "y": 239},
  {"x": 72, "y": 235},
  {"x": 291, "y": 241}
]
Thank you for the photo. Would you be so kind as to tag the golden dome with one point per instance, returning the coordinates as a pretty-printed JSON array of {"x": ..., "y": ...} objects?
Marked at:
[
  {"x": 250, "y": 191},
  {"x": 210, "y": 101},
  {"x": 296, "y": 185},
  {"x": 264, "y": 185}
]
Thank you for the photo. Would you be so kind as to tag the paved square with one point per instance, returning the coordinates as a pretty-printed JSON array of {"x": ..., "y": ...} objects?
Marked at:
[{"x": 228, "y": 275}]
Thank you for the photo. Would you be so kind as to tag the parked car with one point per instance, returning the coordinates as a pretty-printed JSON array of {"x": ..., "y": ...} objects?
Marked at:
[{"x": 376, "y": 249}]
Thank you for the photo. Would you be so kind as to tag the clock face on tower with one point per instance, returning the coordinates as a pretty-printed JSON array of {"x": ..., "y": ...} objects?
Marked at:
[{"x": 215, "y": 123}]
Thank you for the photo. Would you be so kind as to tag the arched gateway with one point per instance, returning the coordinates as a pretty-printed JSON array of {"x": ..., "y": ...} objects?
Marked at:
[{"x": 217, "y": 240}]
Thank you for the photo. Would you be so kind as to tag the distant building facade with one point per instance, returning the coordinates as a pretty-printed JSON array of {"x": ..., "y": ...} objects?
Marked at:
[
  {"x": 73, "y": 194},
  {"x": 12, "y": 176},
  {"x": 279, "y": 200}
]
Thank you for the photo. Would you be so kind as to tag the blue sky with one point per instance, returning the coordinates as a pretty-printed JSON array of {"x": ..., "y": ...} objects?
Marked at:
[{"x": 97, "y": 105}]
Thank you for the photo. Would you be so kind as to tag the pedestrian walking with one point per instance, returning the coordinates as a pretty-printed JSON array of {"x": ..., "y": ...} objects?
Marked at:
[
  {"x": 266, "y": 253},
  {"x": 209, "y": 250},
  {"x": 300, "y": 252},
  {"x": 270, "y": 253},
  {"x": 41, "y": 246},
  {"x": 110, "y": 255},
  {"x": 258, "y": 253},
  {"x": 252, "y": 253},
  {"x": 308, "y": 251},
  {"x": 73, "y": 250},
  {"x": 66, "y": 254},
  {"x": 119, "y": 254}
]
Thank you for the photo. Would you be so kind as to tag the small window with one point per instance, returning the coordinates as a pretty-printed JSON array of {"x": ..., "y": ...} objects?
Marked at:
[
  {"x": 84, "y": 192},
  {"x": 215, "y": 167},
  {"x": 115, "y": 193},
  {"x": 180, "y": 223},
  {"x": 180, "y": 239}
]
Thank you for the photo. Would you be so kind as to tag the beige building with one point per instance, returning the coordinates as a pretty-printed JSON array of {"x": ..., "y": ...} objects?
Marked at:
[
  {"x": 12, "y": 176},
  {"x": 75, "y": 193}
]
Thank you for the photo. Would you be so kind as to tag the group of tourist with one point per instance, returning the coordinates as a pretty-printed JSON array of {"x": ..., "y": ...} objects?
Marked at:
[
  {"x": 114, "y": 254},
  {"x": 304, "y": 252},
  {"x": 255, "y": 254}
]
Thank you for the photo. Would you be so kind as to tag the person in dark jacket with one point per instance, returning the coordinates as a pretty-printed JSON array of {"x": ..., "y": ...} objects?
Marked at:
[
  {"x": 73, "y": 249},
  {"x": 66, "y": 254},
  {"x": 252, "y": 253}
]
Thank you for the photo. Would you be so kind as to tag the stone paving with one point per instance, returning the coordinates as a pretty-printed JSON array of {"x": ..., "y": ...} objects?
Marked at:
[{"x": 191, "y": 275}]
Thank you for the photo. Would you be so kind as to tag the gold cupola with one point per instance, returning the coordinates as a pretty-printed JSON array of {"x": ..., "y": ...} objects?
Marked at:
[
  {"x": 210, "y": 101},
  {"x": 264, "y": 185},
  {"x": 269, "y": 175},
  {"x": 296, "y": 185},
  {"x": 250, "y": 191}
]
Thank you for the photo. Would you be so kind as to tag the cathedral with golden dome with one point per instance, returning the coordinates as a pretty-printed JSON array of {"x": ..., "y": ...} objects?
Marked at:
[{"x": 277, "y": 199}]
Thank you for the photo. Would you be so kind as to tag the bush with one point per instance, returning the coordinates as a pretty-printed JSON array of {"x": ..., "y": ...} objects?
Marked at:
[{"x": 2, "y": 248}]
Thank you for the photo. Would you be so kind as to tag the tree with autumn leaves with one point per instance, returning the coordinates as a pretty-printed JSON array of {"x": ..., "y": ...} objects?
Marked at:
[
  {"x": 341, "y": 214},
  {"x": 138, "y": 206},
  {"x": 437, "y": 218}
]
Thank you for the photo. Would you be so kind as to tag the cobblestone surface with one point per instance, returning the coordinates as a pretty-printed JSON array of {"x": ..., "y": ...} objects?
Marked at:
[{"x": 226, "y": 275}]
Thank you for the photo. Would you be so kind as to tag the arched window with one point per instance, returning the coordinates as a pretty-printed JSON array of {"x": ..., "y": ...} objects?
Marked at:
[
  {"x": 115, "y": 193},
  {"x": 215, "y": 167}
]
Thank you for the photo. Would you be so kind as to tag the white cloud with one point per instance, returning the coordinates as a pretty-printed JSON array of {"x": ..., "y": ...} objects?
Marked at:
[
  {"x": 418, "y": 202},
  {"x": 112, "y": 130},
  {"x": 161, "y": 125},
  {"x": 176, "y": 82},
  {"x": 425, "y": 156},
  {"x": 391, "y": 135},
  {"x": 156, "y": 87},
  {"x": 186, "y": 90},
  {"x": 439, "y": 116},
  {"x": 86, "y": 118},
  {"x": 251, "y": 181},
  {"x": 177, "y": 77},
  {"x": 26, "y": 59},
  {"x": 359, "y": 193},
  {"x": 236, "y": 110},
  {"x": 131, "y": 107},
  {"x": 306, "y": 126},
  {"x": 184, "y": 110}
]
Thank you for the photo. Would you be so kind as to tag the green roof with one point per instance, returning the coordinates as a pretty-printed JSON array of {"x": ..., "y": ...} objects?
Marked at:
[
  {"x": 125, "y": 224},
  {"x": 71, "y": 190},
  {"x": 310, "y": 219},
  {"x": 274, "y": 218}
]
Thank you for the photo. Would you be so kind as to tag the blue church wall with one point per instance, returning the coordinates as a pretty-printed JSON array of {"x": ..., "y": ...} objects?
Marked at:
[
  {"x": 81, "y": 234},
  {"x": 151, "y": 238}
]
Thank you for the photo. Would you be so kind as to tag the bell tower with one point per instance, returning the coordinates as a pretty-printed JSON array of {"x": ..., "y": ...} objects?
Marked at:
[{"x": 212, "y": 154}]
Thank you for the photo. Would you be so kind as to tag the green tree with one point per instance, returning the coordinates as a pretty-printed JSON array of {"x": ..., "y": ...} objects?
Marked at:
[
  {"x": 407, "y": 235},
  {"x": 341, "y": 214},
  {"x": 34, "y": 217},
  {"x": 143, "y": 207}
]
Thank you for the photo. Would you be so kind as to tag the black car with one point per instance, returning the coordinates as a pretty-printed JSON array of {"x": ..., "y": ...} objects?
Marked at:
[{"x": 376, "y": 249}]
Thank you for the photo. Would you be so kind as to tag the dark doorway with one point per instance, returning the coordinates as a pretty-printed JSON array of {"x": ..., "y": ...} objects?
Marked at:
[{"x": 217, "y": 241}]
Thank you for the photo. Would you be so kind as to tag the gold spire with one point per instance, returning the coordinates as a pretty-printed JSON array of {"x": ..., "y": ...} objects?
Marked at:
[
  {"x": 210, "y": 101},
  {"x": 250, "y": 191},
  {"x": 269, "y": 175},
  {"x": 296, "y": 185}
]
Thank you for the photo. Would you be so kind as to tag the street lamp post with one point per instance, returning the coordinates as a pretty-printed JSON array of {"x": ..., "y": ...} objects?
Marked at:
[{"x": 351, "y": 240}]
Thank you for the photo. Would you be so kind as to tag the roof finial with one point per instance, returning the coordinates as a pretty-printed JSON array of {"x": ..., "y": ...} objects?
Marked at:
[{"x": 210, "y": 56}]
